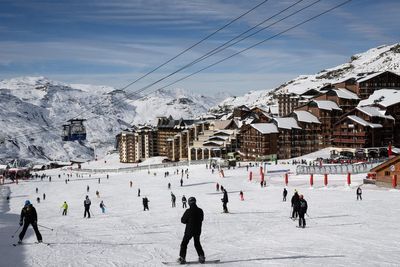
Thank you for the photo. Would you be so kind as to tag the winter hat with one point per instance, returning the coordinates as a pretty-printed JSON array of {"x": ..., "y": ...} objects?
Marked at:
[
  {"x": 27, "y": 202},
  {"x": 191, "y": 201},
  {"x": 301, "y": 196}
]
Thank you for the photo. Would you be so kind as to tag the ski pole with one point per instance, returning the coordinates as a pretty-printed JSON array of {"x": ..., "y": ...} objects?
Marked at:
[
  {"x": 46, "y": 227},
  {"x": 16, "y": 231}
]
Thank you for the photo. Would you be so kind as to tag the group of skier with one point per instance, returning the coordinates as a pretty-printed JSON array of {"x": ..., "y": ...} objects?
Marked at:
[{"x": 192, "y": 217}]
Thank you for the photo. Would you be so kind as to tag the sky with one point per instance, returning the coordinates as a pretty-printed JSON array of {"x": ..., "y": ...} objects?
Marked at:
[{"x": 115, "y": 42}]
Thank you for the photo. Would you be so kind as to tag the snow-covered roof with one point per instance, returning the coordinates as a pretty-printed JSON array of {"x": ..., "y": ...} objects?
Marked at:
[
  {"x": 383, "y": 97},
  {"x": 373, "y": 75},
  {"x": 221, "y": 124},
  {"x": 274, "y": 109},
  {"x": 327, "y": 105},
  {"x": 346, "y": 94},
  {"x": 222, "y": 138},
  {"x": 374, "y": 112},
  {"x": 265, "y": 128},
  {"x": 363, "y": 122},
  {"x": 37, "y": 166},
  {"x": 217, "y": 143},
  {"x": 224, "y": 132},
  {"x": 370, "y": 76},
  {"x": 305, "y": 116},
  {"x": 287, "y": 123}
]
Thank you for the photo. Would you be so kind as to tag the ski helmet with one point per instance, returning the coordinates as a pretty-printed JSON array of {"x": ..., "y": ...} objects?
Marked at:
[
  {"x": 27, "y": 202},
  {"x": 191, "y": 200}
]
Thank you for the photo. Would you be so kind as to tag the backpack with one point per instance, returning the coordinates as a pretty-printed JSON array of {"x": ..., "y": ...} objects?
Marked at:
[{"x": 303, "y": 204}]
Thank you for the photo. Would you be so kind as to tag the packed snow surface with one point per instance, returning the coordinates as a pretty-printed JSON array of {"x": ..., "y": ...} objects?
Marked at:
[{"x": 257, "y": 232}]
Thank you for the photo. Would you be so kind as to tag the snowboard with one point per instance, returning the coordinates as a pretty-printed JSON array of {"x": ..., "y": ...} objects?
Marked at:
[{"x": 174, "y": 263}]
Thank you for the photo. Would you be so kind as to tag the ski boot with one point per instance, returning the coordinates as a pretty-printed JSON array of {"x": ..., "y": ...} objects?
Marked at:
[
  {"x": 202, "y": 259},
  {"x": 181, "y": 260}
]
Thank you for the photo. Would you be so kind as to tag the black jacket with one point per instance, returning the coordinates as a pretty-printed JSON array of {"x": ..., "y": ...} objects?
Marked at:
[
  {"x": 359, "y": 191},
  {"x": 303, "y": 206},
  {"x": 295, "y": 200},
  {"x": 29, "y": 214},
  {"x": 193, "y": 218},
  {"x": 225, "y": 197},
  {"x": 87, "y": 203}
]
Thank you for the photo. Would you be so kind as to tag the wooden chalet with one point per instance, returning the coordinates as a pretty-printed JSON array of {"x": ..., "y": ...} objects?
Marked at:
[
  {"x": 389, "y": 100},
  {"x": 289, "y": 138},
  {"x": 344, "y": 98},
  {"x": 310, "y": 138},
  {"x": 364, "y": 127},
  {"x": 259, "y": 141},
  {"x": 366, "y": 83},
  {"x": 327, "y": 112},
  {"x": 384, "y": 172}
]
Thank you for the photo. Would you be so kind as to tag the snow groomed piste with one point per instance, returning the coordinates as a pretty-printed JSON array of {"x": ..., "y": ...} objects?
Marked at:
[{"x": 340, "y": 231}]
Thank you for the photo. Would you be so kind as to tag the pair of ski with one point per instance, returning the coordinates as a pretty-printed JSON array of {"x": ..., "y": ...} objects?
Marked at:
[
  {"x": 34, "y": 243},
  {"x": 191, "y": 262}
]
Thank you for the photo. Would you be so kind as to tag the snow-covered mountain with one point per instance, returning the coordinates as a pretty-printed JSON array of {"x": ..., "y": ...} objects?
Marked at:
[
  {"x": 382, "y": 58},
  {"x": 33, "y": 110}
]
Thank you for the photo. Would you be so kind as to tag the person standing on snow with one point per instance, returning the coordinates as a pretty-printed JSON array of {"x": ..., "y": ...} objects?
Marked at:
[
  {"x": 86, "y": 204},
  {"x": 193, "y": 218},
  {"x": 184, "y": 200},
  {"x": 65, "y": 208},
  {"x": 217, "y": 187},
  {"x": 102, "y": 207},
  {"x": 359, "y": 193},
  {"x": 241, "y": 195},
  {"x": 173, "y": 200},
  {"x": 181, "y": 182},
  {"x": 145, "y": 203},
  {"x": 29, "y": 217},
  {"x": 295, "y": 204},
  {"x": 284, "y": 194},
  {"x": 87, "y": 188},
  {"x": 224, "y": 200},
  {"x": 302, "y": 210},
  {"x": 138, "y": 192}
]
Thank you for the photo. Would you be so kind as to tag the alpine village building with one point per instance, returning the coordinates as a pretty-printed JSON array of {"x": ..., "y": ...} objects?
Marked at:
[{"x": 358, "y": 112}]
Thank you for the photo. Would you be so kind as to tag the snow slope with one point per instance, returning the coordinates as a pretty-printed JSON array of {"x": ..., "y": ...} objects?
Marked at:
[
  {"x": 382, "y": 58},
  {"x": 258, "y": 232},
  {"x": 33, "y": 110}
]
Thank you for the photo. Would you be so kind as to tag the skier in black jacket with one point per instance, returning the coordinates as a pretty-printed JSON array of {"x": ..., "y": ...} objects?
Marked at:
[
  {"x": 86, "y": 204},
  {"x": 193, "y": 218},
  {"x": 302, "y": 210},
  {"x": 225, "y": 201},
  {"x": 284, "y": 194},
  {"x": 359, "y": 193},
  {"x": 29, "y": 216},
  {"x": 145, "y": 203},
  {"x": 295, "y": 205}
]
